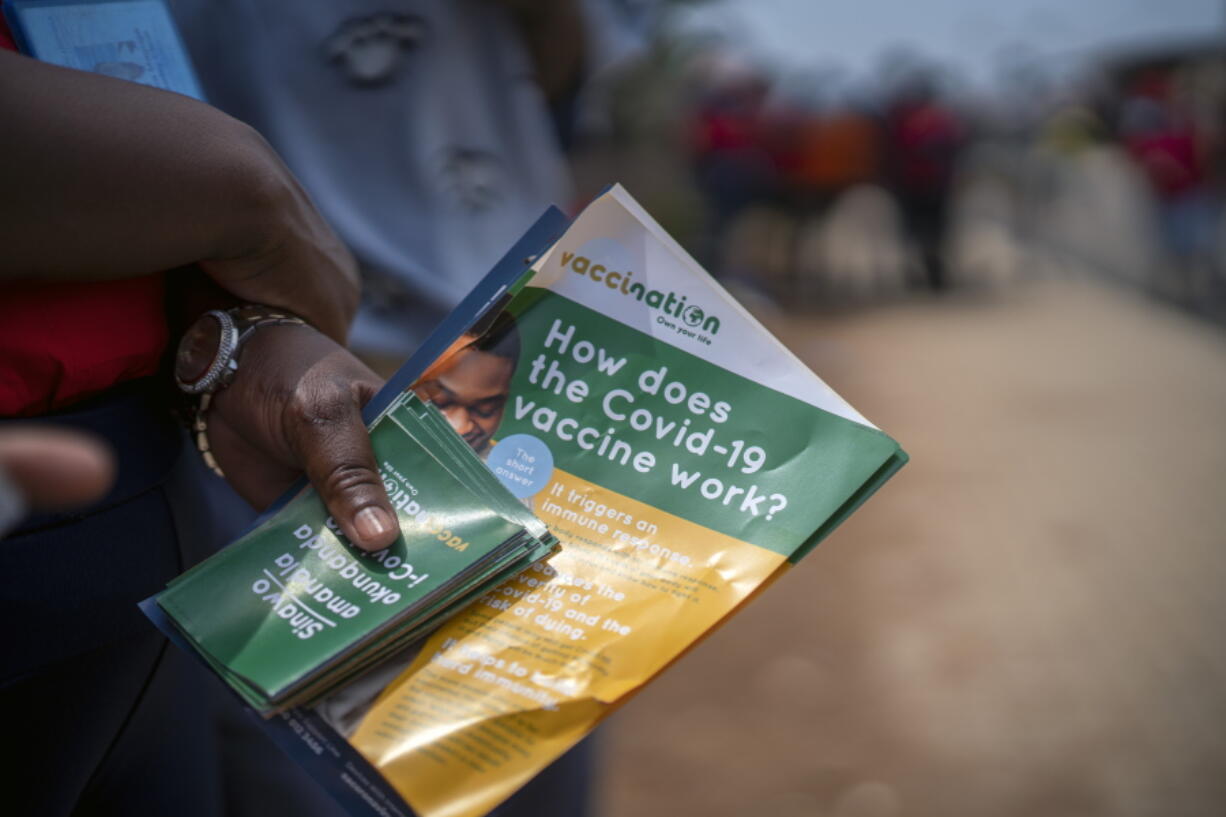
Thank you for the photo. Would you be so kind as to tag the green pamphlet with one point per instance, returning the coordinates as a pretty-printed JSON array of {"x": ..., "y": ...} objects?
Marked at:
[{"x": 292, "y": 609}]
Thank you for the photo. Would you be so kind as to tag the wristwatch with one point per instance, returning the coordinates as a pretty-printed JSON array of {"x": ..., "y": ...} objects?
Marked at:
[{"x": 207, "y": 359}]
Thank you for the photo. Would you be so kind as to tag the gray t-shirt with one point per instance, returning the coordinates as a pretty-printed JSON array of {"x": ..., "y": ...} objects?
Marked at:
[{"x": 415, "y": 125}]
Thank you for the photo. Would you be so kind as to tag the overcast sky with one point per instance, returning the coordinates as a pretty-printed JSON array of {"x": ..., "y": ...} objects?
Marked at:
[{"x": 968, "y": 35}]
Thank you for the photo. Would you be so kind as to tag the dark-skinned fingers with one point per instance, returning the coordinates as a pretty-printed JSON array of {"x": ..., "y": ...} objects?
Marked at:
[{"x": 325, "y": 430}]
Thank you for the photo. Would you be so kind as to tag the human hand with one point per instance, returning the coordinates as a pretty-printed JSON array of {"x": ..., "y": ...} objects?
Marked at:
[
  {"x": 50, "y": 469},
  {"x": 296, "y": 406}
]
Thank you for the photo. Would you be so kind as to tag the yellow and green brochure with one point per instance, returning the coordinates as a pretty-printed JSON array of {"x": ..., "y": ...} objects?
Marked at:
[{"x": 682, "y": 456}]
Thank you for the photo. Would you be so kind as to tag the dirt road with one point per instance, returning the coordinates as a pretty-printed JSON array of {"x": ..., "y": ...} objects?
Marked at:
[{"x": 1027, "y": 621}]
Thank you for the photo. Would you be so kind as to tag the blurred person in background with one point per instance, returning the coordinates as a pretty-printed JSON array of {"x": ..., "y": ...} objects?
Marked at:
[
  {"x": 924, "y": 139},
  {"x": 1162, "y": 139},
  {"x": 731, "y": 149},
  {"x": 429, "y": 132}
]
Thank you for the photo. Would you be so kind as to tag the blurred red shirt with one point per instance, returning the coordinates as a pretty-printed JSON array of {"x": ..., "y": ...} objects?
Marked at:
[{"x": 1170, "y": 160}]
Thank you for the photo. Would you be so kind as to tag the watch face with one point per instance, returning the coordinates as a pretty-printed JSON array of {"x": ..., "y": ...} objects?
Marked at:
[{"x": 197, "y": 349}]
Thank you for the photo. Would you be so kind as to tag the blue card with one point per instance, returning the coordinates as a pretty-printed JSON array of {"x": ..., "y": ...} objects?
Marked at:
[{"x": 130, "y": 39}]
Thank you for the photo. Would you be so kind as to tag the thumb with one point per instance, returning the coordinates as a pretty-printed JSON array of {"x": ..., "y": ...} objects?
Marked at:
[{"x": 327, "y": 434}]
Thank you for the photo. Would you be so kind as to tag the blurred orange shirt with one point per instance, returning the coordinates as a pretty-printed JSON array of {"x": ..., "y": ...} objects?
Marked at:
[{"x": 838, "y": 151}]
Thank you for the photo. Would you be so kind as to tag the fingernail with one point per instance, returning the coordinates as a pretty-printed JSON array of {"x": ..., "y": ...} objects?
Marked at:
[{"x": 372, "y": 522}]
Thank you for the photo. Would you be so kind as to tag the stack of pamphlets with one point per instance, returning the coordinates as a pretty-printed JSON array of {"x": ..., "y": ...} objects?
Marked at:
[
  {"x": 292, "y": 610},
  {"x": 681, "y": 455}
]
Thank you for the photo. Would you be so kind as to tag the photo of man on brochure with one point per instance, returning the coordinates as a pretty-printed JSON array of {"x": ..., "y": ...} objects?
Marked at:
[{"x": 471, "y": 381}]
